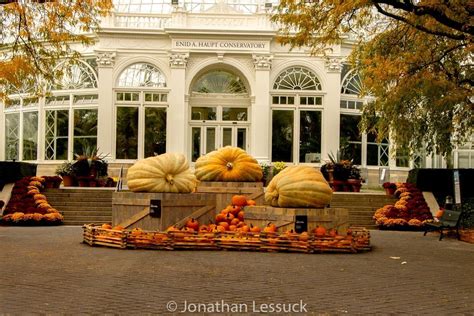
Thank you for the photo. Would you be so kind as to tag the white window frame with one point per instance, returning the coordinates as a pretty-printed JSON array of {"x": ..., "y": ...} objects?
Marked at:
[
  {"x": 141, "y": 104},
  {"x": 297, "y": 107}
]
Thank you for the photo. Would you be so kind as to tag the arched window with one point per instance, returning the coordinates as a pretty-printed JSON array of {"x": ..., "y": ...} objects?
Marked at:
[
  {"x": 141, "y": 75},
  {"x": 297, "y": 78},
  {"x": 78, "y": 76},
  {"x": 141, "y": 101},
  {"x": 351, "y": 84},
  {"x": 296, "y": 116},
  {"x": 219, "y": 81}
]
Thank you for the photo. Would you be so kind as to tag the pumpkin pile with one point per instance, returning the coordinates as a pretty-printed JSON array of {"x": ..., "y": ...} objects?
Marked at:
[
  {"x": 228, "y": 164},
  {"x": 27, "y": 206},
  {"x": 164, "y": 173},
  {"x": 409, "y": 212},
  {"x": 229, "y": 219},
  {"x": 298, "y": 186}
]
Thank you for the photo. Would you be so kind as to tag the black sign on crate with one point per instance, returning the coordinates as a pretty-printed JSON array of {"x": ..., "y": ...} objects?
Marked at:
[
  {"x": 301, "y": 223},
  {"x": 155, "y": 208}
]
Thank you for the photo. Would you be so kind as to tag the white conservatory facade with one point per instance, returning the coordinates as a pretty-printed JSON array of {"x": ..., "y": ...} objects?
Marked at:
[{"x": 195, "y": 76}]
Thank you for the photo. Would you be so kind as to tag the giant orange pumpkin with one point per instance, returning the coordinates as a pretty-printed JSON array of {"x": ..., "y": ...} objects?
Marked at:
[
  {"x": 228, "y": 164},
  {"x": 298, "y": 186}
]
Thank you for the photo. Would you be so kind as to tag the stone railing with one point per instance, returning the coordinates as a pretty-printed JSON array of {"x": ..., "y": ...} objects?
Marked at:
[
  {"x": 258, "y": 21},
  {"x": 140, "y": 21}
]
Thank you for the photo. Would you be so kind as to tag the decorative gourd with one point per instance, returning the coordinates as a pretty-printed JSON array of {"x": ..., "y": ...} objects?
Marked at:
[
  {"x": 164, "y": 173},
  {"x": 298, "y": 186},
  {"x": 228, "y": 164}
]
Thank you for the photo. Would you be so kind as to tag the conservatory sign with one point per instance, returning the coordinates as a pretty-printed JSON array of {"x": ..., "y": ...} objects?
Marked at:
[{"x": 234, "y": 45}]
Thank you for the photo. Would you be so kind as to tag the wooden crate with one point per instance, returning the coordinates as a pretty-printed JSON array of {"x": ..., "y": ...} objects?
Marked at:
[
  {"x": 224, "y": 191},
  {"x": 284, "y": 218},
  {"x": 193, "y": 240},
  {"x": 285, "y": 243},
  {"x": 132, "y": 210},
  {"x": 239, "y": 241},
  {"x": 361, "y": 238},
  {"x": 95, "y": 235},
  {"x": 149, "y": 240},
  {"x": 333, "y": 244}
]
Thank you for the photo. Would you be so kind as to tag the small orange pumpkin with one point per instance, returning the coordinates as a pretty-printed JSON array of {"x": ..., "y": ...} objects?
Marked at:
[
  {"x": 234, "y": 209},
  {"x": 254, "y": 229},
  {"x": 251, "y": 203},
  {"x": 224, "y": 224},
  {"x": 270, "y": 228},
  {"x": 320, "y": 231},
  {"x": 239, "y": 200},
  {"x": 303, "y": 236},
  {"x": 192, "y": 223},
  {"x": 106, "y": 226}
]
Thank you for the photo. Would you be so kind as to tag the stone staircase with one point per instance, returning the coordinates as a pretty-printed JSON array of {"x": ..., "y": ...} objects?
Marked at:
[
  {"x": 362, "y": 206},
  {"x": 82, "y": 206}
]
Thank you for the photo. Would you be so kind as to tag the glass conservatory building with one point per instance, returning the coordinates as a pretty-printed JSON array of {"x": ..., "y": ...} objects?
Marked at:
[{"x": 191, "y": 76}]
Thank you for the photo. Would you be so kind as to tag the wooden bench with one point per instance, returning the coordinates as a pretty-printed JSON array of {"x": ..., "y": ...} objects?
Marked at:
[{"x": 449, "y": 221}]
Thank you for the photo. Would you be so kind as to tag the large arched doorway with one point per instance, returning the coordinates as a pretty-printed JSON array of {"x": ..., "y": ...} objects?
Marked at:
[{"x": 219, "y": 112}]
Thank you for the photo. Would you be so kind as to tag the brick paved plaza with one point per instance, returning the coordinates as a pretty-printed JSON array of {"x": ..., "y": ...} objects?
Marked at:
[{"x": 48, "y": 270}]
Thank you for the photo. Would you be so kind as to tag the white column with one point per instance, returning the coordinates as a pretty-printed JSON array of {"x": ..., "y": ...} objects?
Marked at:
[
  {"x": 331, "y": 113},
  {"x": 177, "y": 120},
  {"x": 106, "y": 119},
  {"x": 260, "y": 141}
]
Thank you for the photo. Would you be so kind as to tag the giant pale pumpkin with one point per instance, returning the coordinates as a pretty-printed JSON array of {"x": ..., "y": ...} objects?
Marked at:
[
  {"x": 228, "y": 164},
  {"x": 298, "y": 186},
  {"x": 164, "y": 173}
]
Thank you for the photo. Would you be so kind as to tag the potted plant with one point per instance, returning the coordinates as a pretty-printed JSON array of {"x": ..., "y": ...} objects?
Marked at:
[
  {"x": 89, "y": 166},
  {"x": 66, "y": 171},
  {"x": 265, "y": 171},
  {"x": 355, "y": 180},
  {"x": 389, "y": 188},
  {"x": 336, "y": 172}
]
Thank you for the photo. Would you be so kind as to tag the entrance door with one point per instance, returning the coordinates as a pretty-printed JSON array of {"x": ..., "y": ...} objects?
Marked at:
[{"x": 205, "y": 139}]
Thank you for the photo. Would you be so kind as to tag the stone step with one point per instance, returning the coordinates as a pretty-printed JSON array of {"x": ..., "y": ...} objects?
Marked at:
[
  {"x": 80, "y": 223},
  {"x": 85, "y": 210},
  {"x": 78, "y": 196},
  {"x": 88, "y": 218},
  {"x": 93, "y": 204},
  {"x": 69, "y": 213}
]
